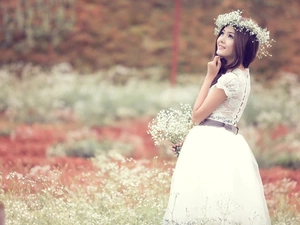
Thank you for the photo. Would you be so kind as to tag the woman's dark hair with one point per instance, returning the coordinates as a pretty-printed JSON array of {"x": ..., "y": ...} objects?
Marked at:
[{"x": 245, "y": 49}]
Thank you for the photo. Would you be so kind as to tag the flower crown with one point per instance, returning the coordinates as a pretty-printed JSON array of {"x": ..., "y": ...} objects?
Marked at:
[{"x": 235, "y": 20}]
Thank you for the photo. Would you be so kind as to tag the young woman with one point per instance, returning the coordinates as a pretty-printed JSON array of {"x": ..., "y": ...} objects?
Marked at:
[{"x": 216, "y": 179}]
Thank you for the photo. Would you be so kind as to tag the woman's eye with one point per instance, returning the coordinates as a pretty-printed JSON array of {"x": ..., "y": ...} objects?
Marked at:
[{"x": 230, "y": 36}]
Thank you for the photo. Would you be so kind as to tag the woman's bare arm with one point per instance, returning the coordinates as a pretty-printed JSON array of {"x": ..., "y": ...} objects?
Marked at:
[{"x": 207, "y": 102}]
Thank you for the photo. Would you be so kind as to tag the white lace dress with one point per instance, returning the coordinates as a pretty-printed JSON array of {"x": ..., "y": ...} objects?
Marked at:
[{"x": 216, "y": 179}]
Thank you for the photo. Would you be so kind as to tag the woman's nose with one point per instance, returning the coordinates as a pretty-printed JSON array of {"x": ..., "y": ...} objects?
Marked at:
[{"x": 221, "y": 39}]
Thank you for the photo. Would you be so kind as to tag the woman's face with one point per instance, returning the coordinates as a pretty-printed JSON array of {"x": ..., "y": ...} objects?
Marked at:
[{"x": 225, "y": 43}]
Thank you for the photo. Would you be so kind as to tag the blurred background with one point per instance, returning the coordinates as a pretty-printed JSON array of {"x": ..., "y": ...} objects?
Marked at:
[
  {"x": 96, "y": 35},
  {"x": 106, "y": 66}
]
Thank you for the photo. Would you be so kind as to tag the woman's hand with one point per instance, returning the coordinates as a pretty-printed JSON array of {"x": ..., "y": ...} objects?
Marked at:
[
  {"x": 176, "y": 148},
  {"x": 214, "y": 66}
]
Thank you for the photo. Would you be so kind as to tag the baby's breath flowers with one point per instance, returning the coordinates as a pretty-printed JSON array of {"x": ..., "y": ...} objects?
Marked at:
[
  {"x": 239, "y": 23},
  {"x": 171, "y": 126}
]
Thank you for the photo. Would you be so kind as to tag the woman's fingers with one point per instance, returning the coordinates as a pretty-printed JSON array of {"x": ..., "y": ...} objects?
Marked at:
[
  {"x": 175, "y": 146},
  {"x": 217, "y": 60},
  {"x": 214, "y": 66}
]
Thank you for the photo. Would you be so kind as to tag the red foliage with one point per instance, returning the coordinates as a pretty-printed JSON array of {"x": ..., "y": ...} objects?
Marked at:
[
  {"x": 279, "y": 131},
  {"x": 139, "y": 34}
]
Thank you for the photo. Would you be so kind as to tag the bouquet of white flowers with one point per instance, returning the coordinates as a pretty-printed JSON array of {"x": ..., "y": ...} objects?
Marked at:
[{"x": 171, "y": 126}]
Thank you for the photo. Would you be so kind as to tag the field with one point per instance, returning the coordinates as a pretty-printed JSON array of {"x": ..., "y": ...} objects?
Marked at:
[{"x": 74, "y": 149}]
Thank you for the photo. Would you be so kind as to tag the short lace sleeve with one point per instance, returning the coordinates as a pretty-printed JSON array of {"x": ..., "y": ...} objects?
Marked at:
[{"x": 229, "y": 83}]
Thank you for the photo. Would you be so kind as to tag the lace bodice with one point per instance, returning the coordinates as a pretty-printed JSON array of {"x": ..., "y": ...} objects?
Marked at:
[{"x": 236, "y": 85}]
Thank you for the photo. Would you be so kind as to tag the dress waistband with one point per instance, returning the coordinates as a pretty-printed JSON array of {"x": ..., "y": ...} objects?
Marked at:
[{"x": 214, "y": 123}]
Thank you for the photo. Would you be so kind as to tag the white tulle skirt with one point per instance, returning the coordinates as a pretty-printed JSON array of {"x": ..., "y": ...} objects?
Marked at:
[{"x": 216, "y": 181}]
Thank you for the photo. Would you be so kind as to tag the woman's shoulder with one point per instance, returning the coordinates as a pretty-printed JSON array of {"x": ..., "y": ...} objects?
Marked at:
[
  {"x": 239, "y": 71},
  {"x": 229, "y": 82},
  {"x": 236, "y": 75},
  {"x": 229, "y": 76}
]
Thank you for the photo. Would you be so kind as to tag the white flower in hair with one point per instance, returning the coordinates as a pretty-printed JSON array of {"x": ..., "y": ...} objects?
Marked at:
[{"x": 236, "y": 20}]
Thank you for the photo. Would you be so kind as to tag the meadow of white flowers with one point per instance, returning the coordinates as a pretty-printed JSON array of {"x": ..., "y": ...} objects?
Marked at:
[{"x": 123, "y": 191}]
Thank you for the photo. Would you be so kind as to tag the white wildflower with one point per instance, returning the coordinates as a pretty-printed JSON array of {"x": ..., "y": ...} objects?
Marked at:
[
  {"x": 171, "y": 125},
  {"x": 236, "y": 20}
]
